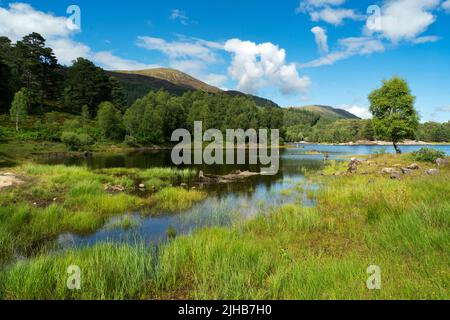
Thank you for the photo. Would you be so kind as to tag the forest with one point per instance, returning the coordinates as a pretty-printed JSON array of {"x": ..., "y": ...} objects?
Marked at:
[{"x": 81, "y": 105}]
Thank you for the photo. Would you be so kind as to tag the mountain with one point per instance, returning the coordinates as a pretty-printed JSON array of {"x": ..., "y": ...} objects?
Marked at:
[
  {"x": 175, "y": 77},
  {"x": 137, "y": 84},
  {"x": 328, "y": 112}
]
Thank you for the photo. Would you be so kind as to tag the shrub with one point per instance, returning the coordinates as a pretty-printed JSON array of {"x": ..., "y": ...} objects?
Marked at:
[
  {"x": 76, "y": 141},
  {"x": 131, "y": 142},
  {"x": 428, "y": 155}
]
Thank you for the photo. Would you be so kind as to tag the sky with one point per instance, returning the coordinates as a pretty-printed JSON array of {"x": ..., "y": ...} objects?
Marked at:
[{"x": 326, "y": 52}]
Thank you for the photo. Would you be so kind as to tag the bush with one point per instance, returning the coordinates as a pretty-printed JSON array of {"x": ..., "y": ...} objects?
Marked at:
[
  {"x": 428, "y": 155},
  {"x": 131, "y": 142},
  {"x": 76, "y": 141}
]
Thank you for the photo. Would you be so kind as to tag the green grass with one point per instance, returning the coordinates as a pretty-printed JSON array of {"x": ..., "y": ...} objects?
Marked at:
[
  {"x": 59, "y": 199},
  {"x": 291, "y": 253},
  {"x": 176, "y": 199}
]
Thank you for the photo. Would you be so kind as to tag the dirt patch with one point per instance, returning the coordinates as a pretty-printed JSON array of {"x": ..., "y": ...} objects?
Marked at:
[{"x": 8, "y": 179}]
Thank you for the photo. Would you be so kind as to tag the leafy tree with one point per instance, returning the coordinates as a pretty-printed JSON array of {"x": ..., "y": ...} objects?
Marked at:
[
  {"x": 19, "y": 107},
  {"x": 109, "y": 120},
  {"x": 393, "y": 109}
]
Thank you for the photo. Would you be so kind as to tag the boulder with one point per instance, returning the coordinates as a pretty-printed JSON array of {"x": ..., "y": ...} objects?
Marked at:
[
  {"x": 441, "y": 162},
  {"x": 406, "y": 171},
  {"x": 395, "y": 175},
  {"x": 432, "y": 172},
  {"x": 353, "y": 165},
  {"x": 413, "y": 166},
  {"x": 388, "y": 170}
]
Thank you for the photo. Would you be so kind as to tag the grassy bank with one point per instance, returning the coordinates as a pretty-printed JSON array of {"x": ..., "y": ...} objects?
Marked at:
[
  {"x": 59, "y": 199},
  {"x": 363, "y": 219}
]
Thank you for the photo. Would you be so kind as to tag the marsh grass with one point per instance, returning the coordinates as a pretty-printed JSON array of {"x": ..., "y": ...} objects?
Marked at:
[
  {"x": 291, "y": 253},
  {"x": 59, "y": 199},
  {"x": 176, "y": 199}
]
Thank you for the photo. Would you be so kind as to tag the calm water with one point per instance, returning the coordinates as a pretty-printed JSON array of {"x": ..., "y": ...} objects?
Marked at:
[{"x": 226, "y": 204}]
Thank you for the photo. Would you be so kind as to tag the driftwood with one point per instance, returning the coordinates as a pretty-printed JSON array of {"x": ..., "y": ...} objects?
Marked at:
[{"x": 228, "y": 178}]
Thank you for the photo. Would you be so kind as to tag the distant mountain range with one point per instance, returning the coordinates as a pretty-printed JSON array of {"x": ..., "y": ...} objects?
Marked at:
[
  {"x": 137, "y": 84},
  {"x": 329, "y": 112}
]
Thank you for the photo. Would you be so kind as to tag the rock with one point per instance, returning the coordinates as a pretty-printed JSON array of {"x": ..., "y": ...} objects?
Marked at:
[
  {"x": 388, "y": 170},
  {"x": 413, "y": 166},
  {"x": 183, "y": 185},
  {"x": 142, "y": 186},
  {"x": 9, "y": 179},
  {"x": 201, "y": 175},
  {"x": 441, "y": 162},
  {"x": 406, "y": 171},
  {"x": 395, "y": 175},
  {"x": 432, "y": 172},
  {"x": 353, "y": 165}
]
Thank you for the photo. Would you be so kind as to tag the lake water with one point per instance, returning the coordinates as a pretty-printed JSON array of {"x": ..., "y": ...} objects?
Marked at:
[{"x": 227, "y": 203}]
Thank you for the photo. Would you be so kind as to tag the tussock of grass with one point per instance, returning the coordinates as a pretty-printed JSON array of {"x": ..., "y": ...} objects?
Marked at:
[
  {"x": 176, "y": 199},
  {"x": 107, "y": 272}
]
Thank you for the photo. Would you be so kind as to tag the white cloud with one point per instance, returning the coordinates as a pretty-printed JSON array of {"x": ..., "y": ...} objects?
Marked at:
[
  {"x": 405, "y": 20},
  {"x": 321, "y": 38},
  {"x": 325, "y": 10},
  {"x": 335, "y": 16},
  {"x": 111, "y": 62},
  {"x": 426, "y": 39},
  {"x": 446, "y": 5},
  {"x": 179, "y": 15},
  {"x": 361, "y": 112},
  {"x": 193, "y": 48},
  {"x": 256, "y": 66},
  {"x": 20, "y": 19},
  {"x": 348, "y": 47},
  {"x": 306, "y": 5}
]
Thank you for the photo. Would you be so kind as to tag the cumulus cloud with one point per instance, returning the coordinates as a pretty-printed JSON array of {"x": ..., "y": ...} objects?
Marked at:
[
  {"x": 256, "y": 66},
  {"x": 179, "y": 15},
  {"x": 348, "y": 47},
  {"x": 321, "y": 38},
  {"x": 20, "y": 19},
  {"x": 358, "y": 111},
  {"x": 405, "y": 20}
]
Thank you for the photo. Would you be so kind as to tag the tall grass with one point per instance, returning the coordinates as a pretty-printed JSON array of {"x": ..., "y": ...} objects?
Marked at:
[{"x": 290, "y": 253}]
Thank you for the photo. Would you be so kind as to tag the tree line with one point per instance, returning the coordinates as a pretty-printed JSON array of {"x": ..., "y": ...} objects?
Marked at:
[{"x": 34, "y": 83}]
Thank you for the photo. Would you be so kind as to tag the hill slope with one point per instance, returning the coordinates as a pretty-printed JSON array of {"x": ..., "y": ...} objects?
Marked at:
[
  {"x": 328, "y": 111},
  {"x": 176, "y": 77},
  {"x": 136, "y": 84}
]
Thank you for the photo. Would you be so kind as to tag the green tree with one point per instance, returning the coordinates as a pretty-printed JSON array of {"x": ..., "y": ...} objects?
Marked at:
[
  {"x": 109, "y": 120},
  {"x": 38, "y": 68},
  {"x": 86, "y": 84},
  {"x": 19, "y": 107},
  {"x": 117, "y": 95},
  {"x": 394, "y": 116}
]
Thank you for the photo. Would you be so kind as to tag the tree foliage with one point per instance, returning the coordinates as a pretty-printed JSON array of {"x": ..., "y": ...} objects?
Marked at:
[
  {"x": 393, "y": 110},
  {"x": 19, "y": 107}
]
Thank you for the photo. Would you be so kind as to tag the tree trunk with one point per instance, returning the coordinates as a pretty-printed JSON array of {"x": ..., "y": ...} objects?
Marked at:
[
  {"x": 17, "y": 121},
  {"x": 397, "y": 149}
]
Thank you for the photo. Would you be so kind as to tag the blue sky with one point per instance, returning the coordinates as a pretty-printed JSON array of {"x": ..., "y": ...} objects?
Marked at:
[{"x": 294, "y": 52}]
